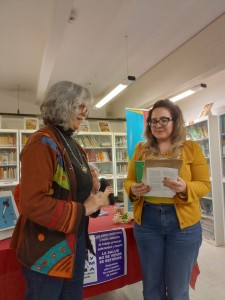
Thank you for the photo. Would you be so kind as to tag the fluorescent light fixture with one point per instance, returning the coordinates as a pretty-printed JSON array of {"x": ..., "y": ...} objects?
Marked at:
[
  {"x": 115, "y": 91},
  {"x": 189, "y": 92}
]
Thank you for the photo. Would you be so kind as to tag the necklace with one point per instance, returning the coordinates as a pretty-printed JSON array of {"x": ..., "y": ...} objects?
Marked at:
[{"x": 82, "y": 166}]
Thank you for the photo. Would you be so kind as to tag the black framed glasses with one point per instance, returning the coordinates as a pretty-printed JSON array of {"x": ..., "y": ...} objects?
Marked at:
[{"x": 162, "y": 121}]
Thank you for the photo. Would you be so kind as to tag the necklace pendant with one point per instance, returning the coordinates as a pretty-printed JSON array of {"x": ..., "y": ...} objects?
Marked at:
[{"x": 84, "y": 169}]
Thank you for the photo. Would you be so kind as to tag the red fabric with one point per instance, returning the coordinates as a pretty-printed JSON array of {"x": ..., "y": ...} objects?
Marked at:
[
  {"x": 12, "y": 283},
  {"x": 16, "y": 195},
  {"x": 194, "y": 275}
]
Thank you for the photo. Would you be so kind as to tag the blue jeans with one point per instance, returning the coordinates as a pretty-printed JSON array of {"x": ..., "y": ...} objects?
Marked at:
[
  {"x": 43, "y": 287},
  {"x": 167, "y": 253}
]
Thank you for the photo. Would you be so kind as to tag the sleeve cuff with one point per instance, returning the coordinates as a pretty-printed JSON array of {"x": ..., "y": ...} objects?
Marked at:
[
  {"x": 133, "y": 198},
  {"x": 182, "y": 196}
]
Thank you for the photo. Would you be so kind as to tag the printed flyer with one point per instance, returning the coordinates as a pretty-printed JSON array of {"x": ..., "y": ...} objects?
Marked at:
[{"x": 110, "y": 260}]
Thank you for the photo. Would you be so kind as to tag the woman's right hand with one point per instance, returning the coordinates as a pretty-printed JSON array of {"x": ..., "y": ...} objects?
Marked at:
[
  {"x": 95, "y": 201},
  {"x": 140, "y": 189}
]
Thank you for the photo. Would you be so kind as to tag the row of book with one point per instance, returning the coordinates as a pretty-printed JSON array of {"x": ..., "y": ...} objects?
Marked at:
[
  {"x": 8, "y": 173},
  {"x": 122, "y": 169},
  {"x": 8, "y": 157},
  {"x": 222, "y": 124},
  {"x": 223, "y": 144},
  {"x": 121, "y": 141},
  {"x": 121, "y": 155},
  {"x": 206, "y": 206},
  {"x": 120, "y": 185},
  {"x": 8, "y": 140},
  {"x": 205, "y": 147},
  {"x": 208, "y": 228},
  {"x": 197, "y": 131},
  {"x": 90, "y": 142},
  {"x": 98, "y": 156},
  {"x": 24, "y": 139}
]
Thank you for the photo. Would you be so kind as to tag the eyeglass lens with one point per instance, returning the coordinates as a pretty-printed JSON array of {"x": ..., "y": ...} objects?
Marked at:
[
  {"x": 84, "y": 110},
  {"x": 162, "y": 121}
]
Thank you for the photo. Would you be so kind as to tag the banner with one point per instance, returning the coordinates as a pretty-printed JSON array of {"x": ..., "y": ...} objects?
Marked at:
[{"x": 136, "y": 122}]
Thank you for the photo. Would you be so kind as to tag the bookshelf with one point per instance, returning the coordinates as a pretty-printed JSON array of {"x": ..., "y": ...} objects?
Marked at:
[
  {"x": 222, "y": 132},
  {"x": 120, "y": 163},
  {"x": 109, "y": 152},
  {"x": 9, "y": 158},
  {"x": 100, "y": 151},
  {"x": 23, "y": 137},
  {"x": 206, "y": 132}
]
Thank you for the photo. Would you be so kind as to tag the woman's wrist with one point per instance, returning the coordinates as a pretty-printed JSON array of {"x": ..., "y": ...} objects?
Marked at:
[{"x": 182, "y": 196}]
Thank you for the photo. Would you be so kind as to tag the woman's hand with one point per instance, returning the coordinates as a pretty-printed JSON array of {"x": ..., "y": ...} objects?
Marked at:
[
  {"x": 95, "y": 201},
  {"x": 96, "y": 185},
  {"x": 178, "y": 186},
  {"x": 108, "y": 190},
  {"x": 140, "y": 189}
]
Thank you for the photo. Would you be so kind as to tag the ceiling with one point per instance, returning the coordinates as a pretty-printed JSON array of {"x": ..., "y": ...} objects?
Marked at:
[{"x": 96, "y": 43}]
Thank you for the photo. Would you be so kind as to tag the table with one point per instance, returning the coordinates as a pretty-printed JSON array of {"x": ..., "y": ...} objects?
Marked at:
[{"x": 12, "y": 283}]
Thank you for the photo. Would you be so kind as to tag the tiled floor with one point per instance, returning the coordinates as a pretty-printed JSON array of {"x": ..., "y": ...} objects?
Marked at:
[{"x": 210, "y": 284}]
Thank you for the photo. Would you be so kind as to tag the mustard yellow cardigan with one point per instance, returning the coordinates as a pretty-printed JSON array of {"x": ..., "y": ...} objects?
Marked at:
[{"x": 194, "y": 171}]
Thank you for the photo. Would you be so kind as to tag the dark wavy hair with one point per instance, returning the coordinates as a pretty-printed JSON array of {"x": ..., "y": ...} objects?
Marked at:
[
  {"x": 61, "y": 103},
  {"x": 178, "y": 136}
]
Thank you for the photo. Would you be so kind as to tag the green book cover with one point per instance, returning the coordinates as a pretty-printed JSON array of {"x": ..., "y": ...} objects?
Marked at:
[{"x": 139, "y": 168}]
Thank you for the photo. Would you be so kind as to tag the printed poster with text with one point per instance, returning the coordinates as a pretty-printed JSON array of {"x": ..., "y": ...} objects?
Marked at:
[{"x": 110, "y": 260}]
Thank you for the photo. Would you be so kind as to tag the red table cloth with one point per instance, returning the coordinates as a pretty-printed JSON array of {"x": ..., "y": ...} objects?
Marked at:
[{"x": 12, "y": 283}]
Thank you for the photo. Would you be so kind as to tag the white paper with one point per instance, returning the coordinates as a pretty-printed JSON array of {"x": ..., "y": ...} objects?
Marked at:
[{"x": 154, "y": 178}]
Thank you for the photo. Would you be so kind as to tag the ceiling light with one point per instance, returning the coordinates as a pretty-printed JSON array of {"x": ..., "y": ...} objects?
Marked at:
[
  {"x": 188, "y": 93},
  {"x": 115, "y": 91}
]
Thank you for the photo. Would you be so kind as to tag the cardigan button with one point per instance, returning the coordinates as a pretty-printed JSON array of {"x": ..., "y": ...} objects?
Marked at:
[{"x": 41, "y": 237}]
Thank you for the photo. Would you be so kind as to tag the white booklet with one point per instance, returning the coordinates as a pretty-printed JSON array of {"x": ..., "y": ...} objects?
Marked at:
[{"x": 154, "y": 172}]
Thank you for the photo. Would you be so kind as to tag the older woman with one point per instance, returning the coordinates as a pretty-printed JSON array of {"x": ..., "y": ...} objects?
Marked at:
[
  {"x": 56, "y": 199},
  {"x": 168, "y": 230}
]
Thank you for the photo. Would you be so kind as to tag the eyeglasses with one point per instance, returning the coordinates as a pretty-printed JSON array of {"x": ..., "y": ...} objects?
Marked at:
[
  {"x": 84, "y": 110},
  {"x": 162, "y": 121}
]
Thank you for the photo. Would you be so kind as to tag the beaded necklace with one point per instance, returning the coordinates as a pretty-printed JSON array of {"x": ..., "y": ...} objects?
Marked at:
[{"x": 81, "y": 162}]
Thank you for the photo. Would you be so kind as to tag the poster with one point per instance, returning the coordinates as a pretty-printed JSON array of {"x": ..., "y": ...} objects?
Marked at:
[
  {"x": 206, "y": 109},
  {"x": 8, "y": 214},
  {"x": 110, "y": 261},
  {"x": 31, "y": 123},
  {"x": 103, "y": 126}
]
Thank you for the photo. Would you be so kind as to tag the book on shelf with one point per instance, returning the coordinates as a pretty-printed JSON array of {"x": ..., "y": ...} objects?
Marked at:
[
  {"x": 7, "y": 173},
  {"x": 8, "y": 140},
  {"x": 197, "y": 131}
]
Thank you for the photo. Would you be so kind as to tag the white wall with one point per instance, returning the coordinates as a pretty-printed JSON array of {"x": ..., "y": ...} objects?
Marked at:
[
  {"x": 215, "y": 92},
  {"x": 189, "y": 65},
  {"x": 17, "y": 122},
  {"x": 28, "y": 104},
  {"x": 9, "y": 102}
]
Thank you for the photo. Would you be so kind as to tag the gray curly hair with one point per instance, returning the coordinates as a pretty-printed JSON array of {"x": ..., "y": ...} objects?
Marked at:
[{"x": 61, "y": 103}]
